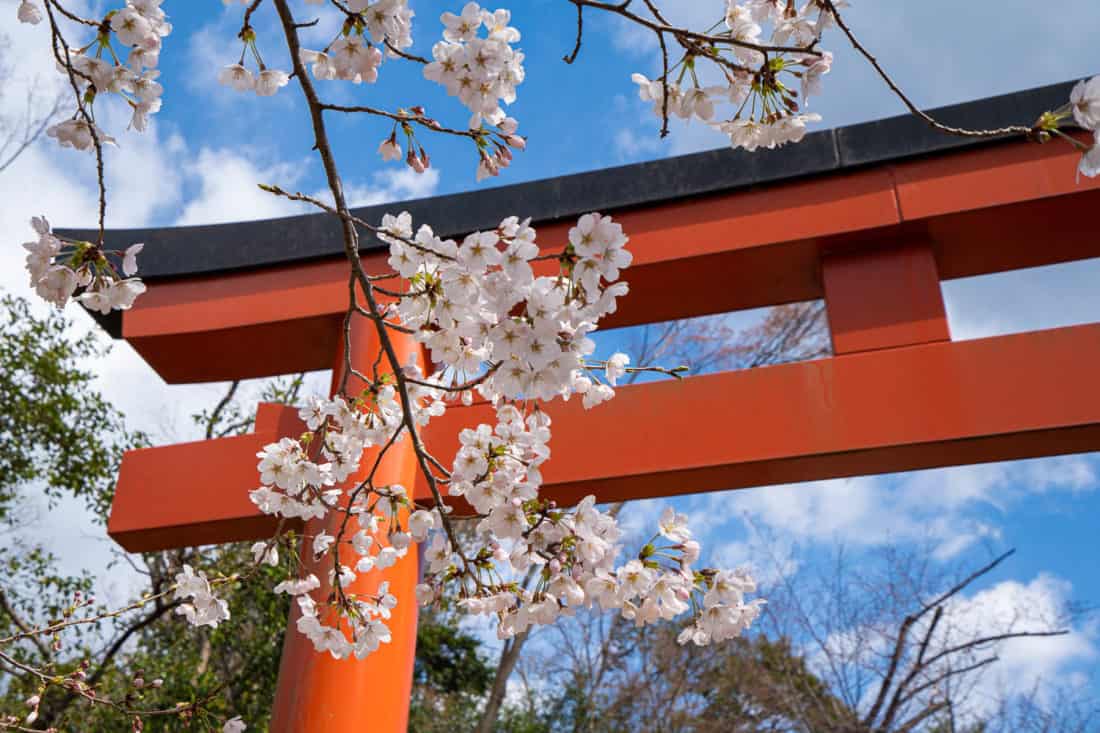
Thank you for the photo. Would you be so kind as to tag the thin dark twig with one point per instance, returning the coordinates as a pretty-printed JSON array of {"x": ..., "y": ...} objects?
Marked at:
[
  {"x": 58, "y": 38},
  {"x": 215, "y": 416},
  {"x": 947, "y": 129},
  {"x": 571, "y": 57},
  {"x": 407, "y": 56},
  {"x": 23, "y": 626}
]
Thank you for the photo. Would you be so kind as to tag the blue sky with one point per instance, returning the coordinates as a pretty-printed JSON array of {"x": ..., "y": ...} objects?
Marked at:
[{"x": 210, "y": 145}]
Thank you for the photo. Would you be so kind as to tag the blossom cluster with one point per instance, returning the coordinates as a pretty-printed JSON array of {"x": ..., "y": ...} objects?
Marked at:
[
  {"x": 480, "y": 303},
  {"x": 573, "y": 552},
  {"x": 1084, "y": 101},
  {"x": 356, "y": 54},
  {"x": 482, "y": 72},
  {"x": 202, "y": 608},
  {"x": 518, "y": 339},
  {"x": 140, "y": 27},
  {"x": 57, "y": 268},
  {"x": 299, "y": 476},
  {"x": 769, "y": 110}
]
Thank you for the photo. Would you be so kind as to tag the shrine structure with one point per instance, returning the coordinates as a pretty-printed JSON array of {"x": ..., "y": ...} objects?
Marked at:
[{"x": 870, "y": 217}]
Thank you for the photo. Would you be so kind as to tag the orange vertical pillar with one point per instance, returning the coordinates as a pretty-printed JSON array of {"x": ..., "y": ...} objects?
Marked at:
[{"x": 319, "y": 694}]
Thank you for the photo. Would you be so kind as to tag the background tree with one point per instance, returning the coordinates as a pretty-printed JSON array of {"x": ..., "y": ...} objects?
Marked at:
[{"x": 879, "y": 646}]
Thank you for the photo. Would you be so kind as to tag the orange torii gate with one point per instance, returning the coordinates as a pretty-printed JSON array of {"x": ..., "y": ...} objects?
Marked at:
[{"x": 870, "y": 217}]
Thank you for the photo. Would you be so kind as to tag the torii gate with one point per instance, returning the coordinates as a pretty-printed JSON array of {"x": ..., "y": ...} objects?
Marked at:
[{"x": 869, "y": 217}]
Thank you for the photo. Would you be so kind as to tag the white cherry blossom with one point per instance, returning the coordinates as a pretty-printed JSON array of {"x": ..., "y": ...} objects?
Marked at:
[
  {"x": 237, "y": 77},
  {"x": 270, "y": 81},
  {"x": 234, "y": 725},
  {"x": 29, "y": 12},
  {"x": 1085, "y": 101},
  {"x": 202, "y": 608}
]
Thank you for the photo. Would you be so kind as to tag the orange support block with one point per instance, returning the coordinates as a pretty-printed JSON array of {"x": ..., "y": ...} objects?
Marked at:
[{"x": 884, "y": 297}]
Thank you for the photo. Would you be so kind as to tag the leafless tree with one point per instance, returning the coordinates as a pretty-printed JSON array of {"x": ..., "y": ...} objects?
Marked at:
[
  {"x": 19, "y": 129},
  {"x": 891, "y": 645}
]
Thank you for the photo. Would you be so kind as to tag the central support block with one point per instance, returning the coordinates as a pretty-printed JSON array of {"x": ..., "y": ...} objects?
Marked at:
[{"x": 884, "y": 297}]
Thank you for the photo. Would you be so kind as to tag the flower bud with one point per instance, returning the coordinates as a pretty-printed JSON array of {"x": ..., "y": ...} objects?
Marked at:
[{"x": 414, "y": 162}]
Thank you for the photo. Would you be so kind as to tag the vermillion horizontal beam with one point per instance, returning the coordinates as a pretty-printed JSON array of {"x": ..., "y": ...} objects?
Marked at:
[
  {"x": 979, "y": 211},
  {"x": 938, "y": 404}
]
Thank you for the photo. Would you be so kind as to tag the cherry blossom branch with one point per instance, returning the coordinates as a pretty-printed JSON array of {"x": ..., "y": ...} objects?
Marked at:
[
  {"x": 405, "y": 118},
  {"x": 73, "y": 16},
  {"x": 23, "y": 626},
  {"x": 404, "y": 54},
  {"x": 351, "y": 247},
  {"x": 57, "y": 38},
  {"x": 660, "y": 27},
  {"x": 74, "y": 684},
  {"x": 351, "y": 218},
  {"x": 913, "y": 108},
  {"x": 53, "y": 628}
]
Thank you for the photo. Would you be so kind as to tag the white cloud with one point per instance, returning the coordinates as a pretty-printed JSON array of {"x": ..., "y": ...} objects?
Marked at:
[
  {"x": 631, "y": 144},
  {"x": 949, "y": 506},
  {"x": 393, "y": 184},
  {"x": 1023, "y": 300},
  {"x": 227, "y": 189}
]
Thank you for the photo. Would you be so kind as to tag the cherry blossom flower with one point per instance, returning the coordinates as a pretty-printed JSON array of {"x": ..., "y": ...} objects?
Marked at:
[
  {"x": 1090, "y": 162},
  {"x": 77, "y": 134},
  {"x": 234, "y": 725},
  {"x": 129, "y": 259},
  {"x": 270, "y": 81},
  {"x": 130, "y": 26},
  {"x": 266, "y": 553},
  {"x": 1085, "y": 100},
  {"x": 390, "y": 150},
  {"x": 238, "y": 77},
  {"x": 616, "y": 367},
  {"x": 29, "y": 12},
  {"x": 464, "y": 27},
  {"x": 816, "y": 68},
  {"x": 203, "y": 607}
]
